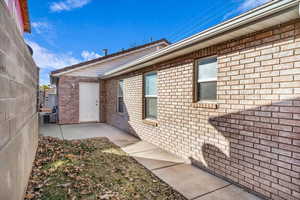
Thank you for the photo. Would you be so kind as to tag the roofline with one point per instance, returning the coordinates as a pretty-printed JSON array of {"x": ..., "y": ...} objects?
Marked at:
[
  {"x": 25, "y": 15},
  {"x": 232, "y": 24},
  {"x": 107, "y": 58}
]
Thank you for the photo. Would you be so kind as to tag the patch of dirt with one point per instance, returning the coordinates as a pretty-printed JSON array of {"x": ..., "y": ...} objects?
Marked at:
[{"x": 91, "y": 169}]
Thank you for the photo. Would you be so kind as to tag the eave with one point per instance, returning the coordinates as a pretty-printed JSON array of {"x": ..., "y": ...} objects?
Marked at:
[
  {"x": 268, "y": 15},
  {"x": 107, "y": 58},
  {"x": 25, "y": 15}
]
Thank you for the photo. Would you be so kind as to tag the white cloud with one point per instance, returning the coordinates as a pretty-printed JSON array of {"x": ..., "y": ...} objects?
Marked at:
[
  {"x": 249, "y": 4},
  {"x": 40, "y": 27},
  {"x": 245, "y": 6},
  {"x": 44, "y": 58},
  {"x": 67, "y": 5},
  {"x": 89, "y": 55}
]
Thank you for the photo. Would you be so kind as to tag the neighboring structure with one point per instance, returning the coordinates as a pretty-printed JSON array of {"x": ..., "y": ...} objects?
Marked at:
[
  {"x": 227, "y": 98},
  {"x": 78, "y": 89},
  {"x": 41, "y": 97},
  {"x": 50, "y": 98},
  {"x": 47, "y": 99},
  {"x": 19, "y": 12},
  {"x": 18, "y": 101}
]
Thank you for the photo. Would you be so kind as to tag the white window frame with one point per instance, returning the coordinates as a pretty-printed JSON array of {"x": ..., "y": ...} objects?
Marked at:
[
  {"x": 118, "y": 96},
  {"x": 149, "y": 96},
  {"x": 197, "y": 96}
]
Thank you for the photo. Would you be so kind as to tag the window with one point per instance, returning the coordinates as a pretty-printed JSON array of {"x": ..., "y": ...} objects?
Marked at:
[
  {"x": 150, "y": 98},
  {"x": 206, "y": 77},
  {"x": 120, "y": 101}
]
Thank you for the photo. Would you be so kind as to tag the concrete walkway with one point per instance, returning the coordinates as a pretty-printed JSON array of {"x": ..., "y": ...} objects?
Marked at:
[{"x": 193, "y": 183}]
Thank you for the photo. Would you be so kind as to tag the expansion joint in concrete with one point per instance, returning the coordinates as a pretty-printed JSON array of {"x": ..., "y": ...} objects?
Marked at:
[{"x": 199, "y": 196}]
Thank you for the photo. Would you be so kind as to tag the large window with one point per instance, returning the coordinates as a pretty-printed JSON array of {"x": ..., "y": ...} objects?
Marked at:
[
  {"x": 120, "y": 102},
  {"x": 150, "y": 95},
  {"x": 206, "y": 77}
]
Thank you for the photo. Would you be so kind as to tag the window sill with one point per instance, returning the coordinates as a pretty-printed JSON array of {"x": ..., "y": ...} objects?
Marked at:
[
  {"x": 205, "y": 104},
  {"x": 150, "y": 122}
]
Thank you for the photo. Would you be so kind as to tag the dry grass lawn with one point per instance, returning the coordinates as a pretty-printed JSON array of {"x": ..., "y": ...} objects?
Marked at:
[{"x": 91, "y": 169}]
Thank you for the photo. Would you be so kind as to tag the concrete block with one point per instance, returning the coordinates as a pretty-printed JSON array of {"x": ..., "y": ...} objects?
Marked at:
[
  {"x": 18, "y": 117},
  {"x": 4, "y": 87},
  {"x": 17, "y": 159},
  {"x": 4, "y": 133}
]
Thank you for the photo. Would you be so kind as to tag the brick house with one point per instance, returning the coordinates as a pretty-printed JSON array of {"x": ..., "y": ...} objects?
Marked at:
[
  {"x": 78, "y": 89},
  {"x": 227, "y": 99}
]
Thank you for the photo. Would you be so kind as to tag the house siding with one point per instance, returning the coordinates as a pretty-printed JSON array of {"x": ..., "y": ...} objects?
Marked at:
[
  {"x": 99, "y": 69},
  {"x": 251, "y": 136},
  {"x": 18, "y": 109}
]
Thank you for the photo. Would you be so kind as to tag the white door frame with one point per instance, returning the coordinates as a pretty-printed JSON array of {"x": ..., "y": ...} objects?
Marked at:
[{"x": 89, "y": 102}]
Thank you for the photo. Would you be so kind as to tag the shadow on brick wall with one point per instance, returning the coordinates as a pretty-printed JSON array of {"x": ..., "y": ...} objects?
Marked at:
[
  {"x": 263, "y": 149},
  {"x": 122, "y": 121}
]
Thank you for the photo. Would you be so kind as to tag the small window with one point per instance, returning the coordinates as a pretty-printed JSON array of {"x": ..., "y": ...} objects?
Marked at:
[
  {"x": 150, "y": 98},
  {"x": 206, "y": 79},
  {"x": 120, "y": 101}
]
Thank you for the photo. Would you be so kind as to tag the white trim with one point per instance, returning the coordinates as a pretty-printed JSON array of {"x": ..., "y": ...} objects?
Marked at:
[
  {"x": 251, "y": 16},
  {"x": 207, "y": 80},
  {"x": 151, "y": 96},
  {"x": 146, "y": 74},
  {"x": 107, "y": 60},
  {"x": 199, "y": 66}
]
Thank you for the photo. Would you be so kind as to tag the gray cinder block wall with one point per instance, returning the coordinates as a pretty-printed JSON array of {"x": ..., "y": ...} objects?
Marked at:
[{"x": 18, "y": 110}]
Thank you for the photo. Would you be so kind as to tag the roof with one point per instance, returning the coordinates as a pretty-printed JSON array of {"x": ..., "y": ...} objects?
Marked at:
[
  {"x": 25, "y": 15},
  {"x": 267, "y": 15},
  {"x": 94, "y": 61}
]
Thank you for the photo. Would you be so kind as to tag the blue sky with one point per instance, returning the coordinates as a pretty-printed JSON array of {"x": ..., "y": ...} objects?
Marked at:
[{"x": 65, "y": 32}]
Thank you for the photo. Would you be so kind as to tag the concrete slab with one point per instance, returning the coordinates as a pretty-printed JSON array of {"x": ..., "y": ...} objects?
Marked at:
[
  {"x": 229, "y": 193},
  {"x": 157, "y": 158},
  {"x": 153, "y": 164},
  {"x": 139, "y": 147},
  {"x": 52, "y": 130},
  {"x": 92, "y": 130},
  {"x": 124, "y": 142},
  {"x": 189, "y": 180}
]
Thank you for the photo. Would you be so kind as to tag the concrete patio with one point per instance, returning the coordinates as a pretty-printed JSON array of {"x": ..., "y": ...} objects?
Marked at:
[{"x": 193, "y": 183}]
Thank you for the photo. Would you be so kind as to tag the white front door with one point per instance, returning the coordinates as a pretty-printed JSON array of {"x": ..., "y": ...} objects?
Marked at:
[{"x": 88, "y": 102}]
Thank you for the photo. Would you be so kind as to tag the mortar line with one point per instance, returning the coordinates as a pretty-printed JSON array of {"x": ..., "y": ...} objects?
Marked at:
[{"x": 201, "y": 195}]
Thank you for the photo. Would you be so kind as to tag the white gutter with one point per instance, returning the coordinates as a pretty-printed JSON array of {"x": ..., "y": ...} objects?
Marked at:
[{"x": 251, "y": 16}]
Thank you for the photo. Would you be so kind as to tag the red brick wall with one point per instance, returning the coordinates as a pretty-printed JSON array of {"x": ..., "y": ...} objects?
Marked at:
[
  {"x": 252, "y": 138},
  {"x": 68, "y": 98}
]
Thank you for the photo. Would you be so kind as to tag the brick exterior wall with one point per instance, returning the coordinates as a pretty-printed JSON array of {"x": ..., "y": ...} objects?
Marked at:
[
  {"x": 18, "y": 109},
  {"x": 68, "y": 98},
  {"x": 252, "y": 135}
]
